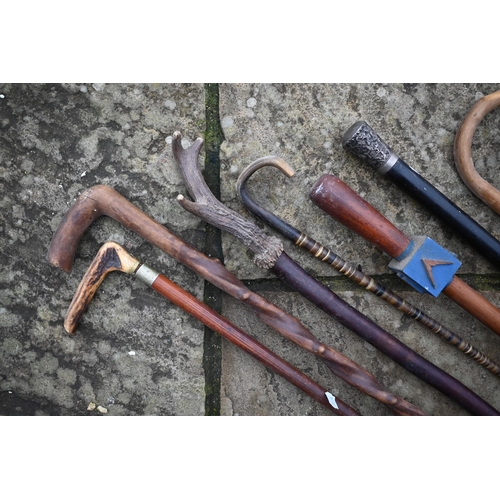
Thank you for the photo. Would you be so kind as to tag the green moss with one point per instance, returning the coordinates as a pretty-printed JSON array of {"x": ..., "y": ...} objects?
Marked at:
[{"x": 212, "y": 352}]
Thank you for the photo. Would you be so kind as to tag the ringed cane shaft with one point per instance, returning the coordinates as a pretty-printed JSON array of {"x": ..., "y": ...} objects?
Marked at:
[
  {"x": 340, "y": 202},
  {"x": 207, "y": 207},
  {"x": 348, "y": 269},
  {"x": 113, "y": 257},
  {"x": 361, "y": 140},
  {"x": 104, "y": 200},
  {"x": 463, "y": 156}
]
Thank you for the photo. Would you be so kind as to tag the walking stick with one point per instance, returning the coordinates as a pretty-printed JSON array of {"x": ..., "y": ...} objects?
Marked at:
[
  {"x": 462, "y": 151},
  {"x": 326, "y": 255},
  {"x": 104, "y": 200},
  {"x": 113, "y": 257},
  {"x": 419, "y": 261},
  {"x": 362, "y": 141},
  {"x": 270, "y": 255}
]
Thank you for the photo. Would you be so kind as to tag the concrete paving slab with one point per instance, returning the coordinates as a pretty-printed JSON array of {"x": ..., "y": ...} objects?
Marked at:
[
  {"x": 303, "y": 124},
  {"x": 133, "y": 353}
]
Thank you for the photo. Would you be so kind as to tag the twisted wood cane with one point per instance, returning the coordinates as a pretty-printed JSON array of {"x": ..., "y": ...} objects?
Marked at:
[
  {"x": 463, "y": 156},
  {"x": 348, "y": 269}
]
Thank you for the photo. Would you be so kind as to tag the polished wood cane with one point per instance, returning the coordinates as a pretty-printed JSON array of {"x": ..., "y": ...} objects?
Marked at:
[
  {"x": 113, "y": 257},
  {"x": 343, "y": 204},
  {"x": 463, "y": 155},
  {"x": 269, "y": 254},
  {"x": 346, "y": 268}
]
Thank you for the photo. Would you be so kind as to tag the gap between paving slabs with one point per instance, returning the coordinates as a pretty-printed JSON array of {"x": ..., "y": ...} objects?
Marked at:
[{"x": 212, "y": 296}]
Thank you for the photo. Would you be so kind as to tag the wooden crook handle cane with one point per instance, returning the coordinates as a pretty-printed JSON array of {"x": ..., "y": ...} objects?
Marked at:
[
  {"x": 340, "y": 202},
  {"x": 113, "y": 257},
  {"x": 462, "y": 151}
]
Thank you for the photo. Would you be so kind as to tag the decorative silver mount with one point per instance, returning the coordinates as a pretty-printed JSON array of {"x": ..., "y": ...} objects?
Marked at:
[{"x": 362, "y": 141}]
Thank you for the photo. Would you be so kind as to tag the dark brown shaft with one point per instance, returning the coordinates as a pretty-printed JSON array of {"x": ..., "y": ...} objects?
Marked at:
[
  {"x": 238, "y": 337},
  {"x": 344, "y": 205},
  {"x": 104, "y": 200}
]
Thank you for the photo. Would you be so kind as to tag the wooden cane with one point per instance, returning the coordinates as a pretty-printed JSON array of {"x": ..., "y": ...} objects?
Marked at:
[
  {"x": 348, "y": 269},
  {"x": 113, "y": 257},
  {"x": 271, "y": 256},
  {"x": 361, "y": 140},
  {"x": 339, "y": 201},
  {"x": 104, "y": 200},
  {"x": 463, "y": 156}
]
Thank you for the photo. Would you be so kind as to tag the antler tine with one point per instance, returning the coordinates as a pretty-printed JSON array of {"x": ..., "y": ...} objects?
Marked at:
[
  {"x": 188, "y": 157},
  {"x": 266, "y": 248}
]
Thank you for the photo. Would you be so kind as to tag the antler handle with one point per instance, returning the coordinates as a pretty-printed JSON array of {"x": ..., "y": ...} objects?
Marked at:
[
  {"x": 339, "y": 201},
  {"x": 266, "y": 248}
]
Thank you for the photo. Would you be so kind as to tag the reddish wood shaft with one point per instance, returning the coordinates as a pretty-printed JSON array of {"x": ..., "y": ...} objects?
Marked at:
[
  {"x": 343, "y": 204},
  {"x": 474, "y": 303},
  {"x": 219, "y": 324}
]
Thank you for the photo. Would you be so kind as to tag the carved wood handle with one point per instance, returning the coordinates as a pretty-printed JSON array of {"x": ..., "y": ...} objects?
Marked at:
[{"x": 339, "y": 201}]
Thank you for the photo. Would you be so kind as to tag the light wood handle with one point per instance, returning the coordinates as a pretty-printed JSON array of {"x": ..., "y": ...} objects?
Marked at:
[{"x": 462, "y": 152}]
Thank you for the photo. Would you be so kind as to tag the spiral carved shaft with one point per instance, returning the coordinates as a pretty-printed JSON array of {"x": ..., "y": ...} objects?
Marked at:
[{"x": 347, "y": 269}]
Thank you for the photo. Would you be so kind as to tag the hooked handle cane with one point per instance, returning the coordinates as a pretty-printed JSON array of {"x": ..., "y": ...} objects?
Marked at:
[
  {"x": 344, "y": 205},
  {"x": 462, "y": 151},
  {"x": 113, "y": 257}
]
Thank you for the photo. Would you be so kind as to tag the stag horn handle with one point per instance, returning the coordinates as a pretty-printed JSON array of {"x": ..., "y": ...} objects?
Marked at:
[
  {"x": 266, "y": 248},
  {"x": 110, "y": 257}
]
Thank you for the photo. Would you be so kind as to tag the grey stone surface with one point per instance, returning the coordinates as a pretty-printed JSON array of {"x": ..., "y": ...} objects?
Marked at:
[
  {"x": 136, "y": 354},
  {"x": 304, "y": 124}
]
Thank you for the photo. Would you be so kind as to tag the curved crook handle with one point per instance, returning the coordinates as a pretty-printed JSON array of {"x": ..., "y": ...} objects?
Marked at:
[
  {"x": 241, "y": 188},
  {"x": 462, "y": 152}
]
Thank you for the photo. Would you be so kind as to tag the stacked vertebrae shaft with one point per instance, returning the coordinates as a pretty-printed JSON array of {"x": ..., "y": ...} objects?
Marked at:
[{"x": 351, "y": 271}]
